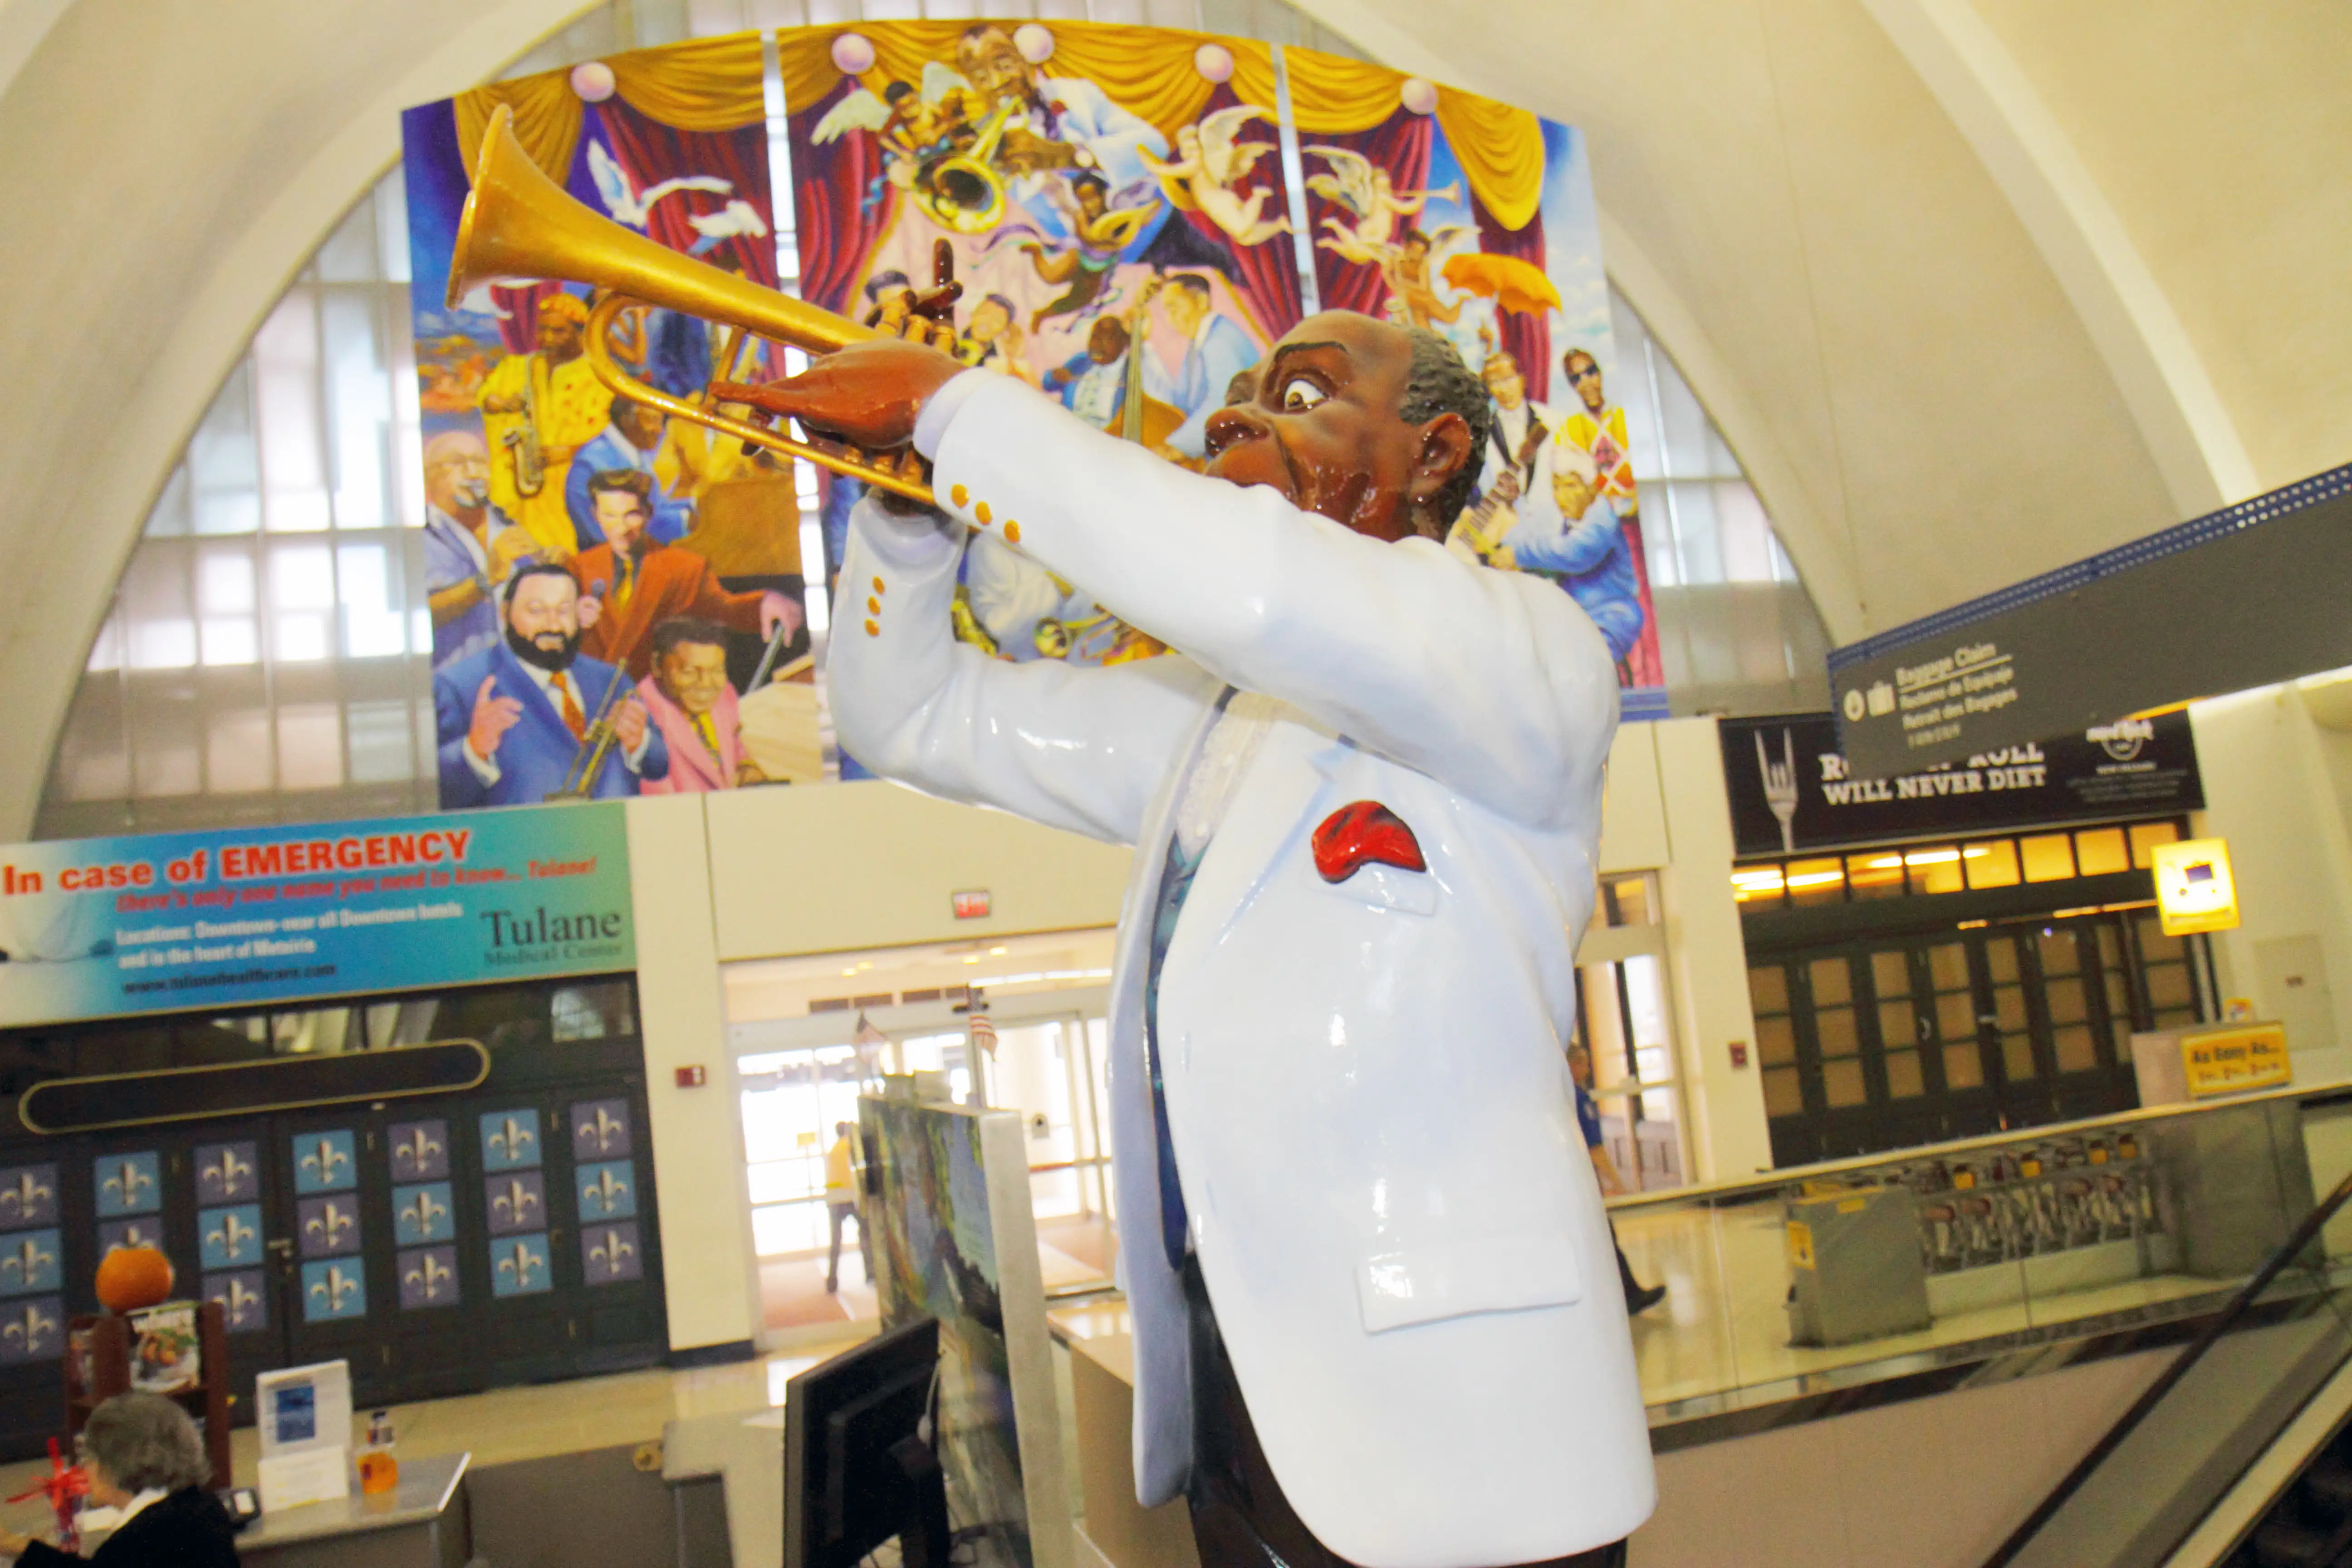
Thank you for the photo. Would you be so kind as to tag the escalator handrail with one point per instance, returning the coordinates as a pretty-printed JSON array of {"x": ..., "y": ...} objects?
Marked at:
[{"x": 2190, "y": 1354}]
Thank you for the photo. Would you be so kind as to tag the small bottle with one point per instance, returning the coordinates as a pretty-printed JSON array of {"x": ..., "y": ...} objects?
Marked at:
[{"x": 379, "y": 1470}]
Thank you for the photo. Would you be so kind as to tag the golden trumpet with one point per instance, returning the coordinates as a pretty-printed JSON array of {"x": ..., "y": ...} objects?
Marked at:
[{"x": 519, "y": 224}]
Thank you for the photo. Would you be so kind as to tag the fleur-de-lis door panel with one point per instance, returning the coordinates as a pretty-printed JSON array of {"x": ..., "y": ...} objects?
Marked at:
[
  {"x": 243, "y": 1300},
  {"x": 325, "y": 1162},
  {"x": 511, "y": 1140},
  {"x": 127, "y": 1183},
  {"x": 334, "y": 1289},
  {"x": 428, "y": 1278},
  {"x": 420, "y": 1150},
  {"x": 611, "y": 1253},
  {"x": 328, "y": 1226},
  {"x": 515, "y": 1202}
]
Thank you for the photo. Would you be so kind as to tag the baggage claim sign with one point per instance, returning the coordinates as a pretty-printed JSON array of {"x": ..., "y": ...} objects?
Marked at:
[{"x": 168, "y": 922}]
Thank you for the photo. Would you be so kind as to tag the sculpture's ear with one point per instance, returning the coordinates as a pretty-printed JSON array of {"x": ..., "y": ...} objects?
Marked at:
[{"x": 1445, "y": 446}]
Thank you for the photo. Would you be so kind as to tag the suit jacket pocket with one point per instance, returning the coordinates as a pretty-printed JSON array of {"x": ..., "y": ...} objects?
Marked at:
[{"x": 1498, "y": 1273}]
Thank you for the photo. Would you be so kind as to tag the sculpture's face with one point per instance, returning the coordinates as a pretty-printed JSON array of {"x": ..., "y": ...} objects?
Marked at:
[{"x": 1321, "y": 424}]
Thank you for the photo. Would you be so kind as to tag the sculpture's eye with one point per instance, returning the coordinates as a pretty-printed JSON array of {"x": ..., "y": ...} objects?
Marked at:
[{"x": 1299, "y": 395}]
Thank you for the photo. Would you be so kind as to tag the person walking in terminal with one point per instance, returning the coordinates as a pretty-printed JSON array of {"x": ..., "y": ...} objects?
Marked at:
[
  {"x": 1639, "y": 1298},
  {"x": 1364, "y": 1252},
  {"x": 145, "y": 1460},
  {"x": 514, "y": 718}
]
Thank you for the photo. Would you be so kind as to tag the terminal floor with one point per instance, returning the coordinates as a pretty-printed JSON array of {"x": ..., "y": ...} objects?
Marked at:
[{"x": 1074, "y": 1253}]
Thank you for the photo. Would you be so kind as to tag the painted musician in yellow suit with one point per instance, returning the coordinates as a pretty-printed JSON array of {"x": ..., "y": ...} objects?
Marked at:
[
  {"x": 573, "y": 408},
  {"x": 1596, "y": 428}
]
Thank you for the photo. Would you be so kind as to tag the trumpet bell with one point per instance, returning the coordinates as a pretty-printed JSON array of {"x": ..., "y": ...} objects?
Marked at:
[{"x": 518, "y": 223}]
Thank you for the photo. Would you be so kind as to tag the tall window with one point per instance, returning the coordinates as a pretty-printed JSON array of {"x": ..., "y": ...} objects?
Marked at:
[{"x": 266, "y": 654}]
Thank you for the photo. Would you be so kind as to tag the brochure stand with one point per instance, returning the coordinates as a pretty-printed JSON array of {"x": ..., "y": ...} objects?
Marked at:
[{"x": 178, "y": 1350}]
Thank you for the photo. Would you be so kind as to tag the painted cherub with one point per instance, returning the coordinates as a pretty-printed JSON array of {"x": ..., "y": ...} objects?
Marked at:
[
  {"x": 1210, "y": 161},
  {"x": 1100, "y": 232},
  {"x": 1372, "y": 199}
]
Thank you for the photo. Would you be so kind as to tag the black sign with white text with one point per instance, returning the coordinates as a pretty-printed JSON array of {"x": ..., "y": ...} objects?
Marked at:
[
  {"x": 1792, "y": 790},
  {"x": 2240, "y": 597}
]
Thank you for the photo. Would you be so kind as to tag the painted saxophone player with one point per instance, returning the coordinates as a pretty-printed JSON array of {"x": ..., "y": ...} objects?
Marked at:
[{"x": 1376, "y": 1317}]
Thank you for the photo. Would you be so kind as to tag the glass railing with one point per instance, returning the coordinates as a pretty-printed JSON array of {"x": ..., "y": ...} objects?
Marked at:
[
  {"x": 2145, "y": 1486},
  {"x": 1823, "y": 1279}
]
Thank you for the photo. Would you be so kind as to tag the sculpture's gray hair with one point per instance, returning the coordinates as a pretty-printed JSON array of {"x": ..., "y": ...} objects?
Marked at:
[
  {"x": 1441, "y": 384},
  {"x": 144, "y": 1441}
]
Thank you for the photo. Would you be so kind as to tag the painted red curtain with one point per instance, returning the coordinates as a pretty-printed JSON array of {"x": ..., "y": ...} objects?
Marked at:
[
  {"x": 830, "y": 185},
  {"x": 1526, "y": 338},
  {"x": 519, "y": 327},
  {"x": 650, "y": 152},
  {"x": 1398, "y": 144},
  {"x": 1265, "y": 275}
]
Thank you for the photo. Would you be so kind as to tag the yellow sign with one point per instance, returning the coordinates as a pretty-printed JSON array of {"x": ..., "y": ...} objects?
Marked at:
[
  {"x": 2194, "y": 890},
  {"x": 2233, "y": 1061},
  {"x": 1801, "y": 1244}
]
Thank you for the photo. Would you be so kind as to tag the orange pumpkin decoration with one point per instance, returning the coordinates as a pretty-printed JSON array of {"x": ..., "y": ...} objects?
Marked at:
[{"x": 130, "y": 1277}]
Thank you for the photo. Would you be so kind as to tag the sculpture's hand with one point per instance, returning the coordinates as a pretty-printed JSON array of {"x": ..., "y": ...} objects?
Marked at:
[{"x": 869, "y": 394}]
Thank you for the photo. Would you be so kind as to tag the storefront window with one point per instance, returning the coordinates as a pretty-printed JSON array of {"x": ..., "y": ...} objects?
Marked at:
[
  {"x": 2048, "y": 857},
  {"x": 1816, "y": 881},
  {"x": 2101, "y": 852},
  {"x": 1874, "y": 875},
  {"x": 1990, "y": 863}
]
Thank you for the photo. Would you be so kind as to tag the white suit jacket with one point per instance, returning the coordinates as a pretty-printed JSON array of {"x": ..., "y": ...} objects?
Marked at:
[{"x": 1366, "y": 1085}]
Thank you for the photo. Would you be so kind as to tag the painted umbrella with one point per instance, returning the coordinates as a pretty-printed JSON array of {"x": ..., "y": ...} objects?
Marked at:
[{"x": 1513, "y": 284}]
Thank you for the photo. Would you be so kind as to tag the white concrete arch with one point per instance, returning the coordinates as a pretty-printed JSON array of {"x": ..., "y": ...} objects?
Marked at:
[
  {"x": 107, "y": 131},
  {"x": 2189, "y": 430}
]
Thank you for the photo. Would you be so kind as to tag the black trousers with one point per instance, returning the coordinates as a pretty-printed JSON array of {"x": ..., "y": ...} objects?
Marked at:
[{"x": 1240, "y": 1518}]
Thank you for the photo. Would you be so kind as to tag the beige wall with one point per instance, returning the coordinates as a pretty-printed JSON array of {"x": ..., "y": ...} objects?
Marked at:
[
  {"x": 1706, "y": 956},
  {"x": 697, "y": 1139},
  {"x": 2278, "y": 789},
  {"x": 873, "y": 865}
]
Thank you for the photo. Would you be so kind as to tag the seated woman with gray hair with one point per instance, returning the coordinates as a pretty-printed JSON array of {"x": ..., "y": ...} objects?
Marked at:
[{"x": 144, "y": 1457}]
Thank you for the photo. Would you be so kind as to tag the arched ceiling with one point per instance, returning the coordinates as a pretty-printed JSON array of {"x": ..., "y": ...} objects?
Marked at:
[{"x": 1975, "y": 287}]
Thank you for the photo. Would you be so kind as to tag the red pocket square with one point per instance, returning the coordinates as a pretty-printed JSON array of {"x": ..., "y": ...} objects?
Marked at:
[{"x": 1364, "y": 830}]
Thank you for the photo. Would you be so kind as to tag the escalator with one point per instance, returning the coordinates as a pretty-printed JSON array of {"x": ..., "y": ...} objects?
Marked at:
[
  {"x": 2309, "y": 1524},
  {"x": 2271, "y": 1370}
]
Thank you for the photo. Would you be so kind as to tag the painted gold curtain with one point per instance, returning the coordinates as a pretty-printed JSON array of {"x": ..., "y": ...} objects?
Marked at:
[
  {"x": 711, "y": 84},
  {"x": 1500, "y": 148},
  {"x": 1147, "y": 70}
]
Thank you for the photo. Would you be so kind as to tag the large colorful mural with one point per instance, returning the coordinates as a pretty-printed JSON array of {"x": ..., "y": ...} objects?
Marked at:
[{"x": 1135, "y": 215}]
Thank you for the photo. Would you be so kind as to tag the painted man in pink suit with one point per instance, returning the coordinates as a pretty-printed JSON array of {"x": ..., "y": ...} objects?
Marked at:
[{"x": 694, "y": 709}]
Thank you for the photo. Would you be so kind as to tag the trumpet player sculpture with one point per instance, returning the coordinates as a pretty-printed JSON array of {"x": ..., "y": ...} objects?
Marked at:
[{"x": 1375, "y": 1302}]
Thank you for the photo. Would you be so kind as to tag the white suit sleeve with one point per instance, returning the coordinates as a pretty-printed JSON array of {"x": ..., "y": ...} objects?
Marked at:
[
  {"x": 1073, "y": 747},
  {"x": 1489, "y": 681}
]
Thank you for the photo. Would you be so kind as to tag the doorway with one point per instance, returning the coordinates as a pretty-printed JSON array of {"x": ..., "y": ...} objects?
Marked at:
[
  {"x": 809, "y": 1036},
  {"x": 1901, "y": 1040}
]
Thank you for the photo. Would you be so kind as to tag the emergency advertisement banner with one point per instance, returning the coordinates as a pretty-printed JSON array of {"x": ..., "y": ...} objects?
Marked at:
[{"x": 170, "y": 922}]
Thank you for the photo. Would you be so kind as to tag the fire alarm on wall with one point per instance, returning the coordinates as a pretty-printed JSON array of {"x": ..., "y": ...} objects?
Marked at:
[
  {"x": 1739, "y": 1053},
  {"x": 692, "y": 1077}
]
